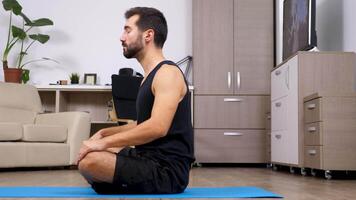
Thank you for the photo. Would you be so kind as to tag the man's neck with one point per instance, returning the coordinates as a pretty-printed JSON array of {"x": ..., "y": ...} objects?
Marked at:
[{"x": 150, "y": 59}]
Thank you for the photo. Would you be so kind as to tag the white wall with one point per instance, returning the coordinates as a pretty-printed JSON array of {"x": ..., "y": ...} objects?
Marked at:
[
  {"x": 349, "y": 24},
  {"x": 335, "y": 26},
  {"x": 85, "y": 37}
]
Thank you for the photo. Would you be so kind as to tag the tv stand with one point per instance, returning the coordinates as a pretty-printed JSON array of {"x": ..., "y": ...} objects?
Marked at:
[{"x": 302, "y": 75}]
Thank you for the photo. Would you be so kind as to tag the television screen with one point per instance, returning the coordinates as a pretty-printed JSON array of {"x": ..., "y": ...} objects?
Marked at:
[{"x": 298, "y": 26}]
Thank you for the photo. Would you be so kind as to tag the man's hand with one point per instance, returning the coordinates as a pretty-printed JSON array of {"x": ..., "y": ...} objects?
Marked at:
[
  {"x": 98, "y": 135},
  {"x": 90, "y": 146}
]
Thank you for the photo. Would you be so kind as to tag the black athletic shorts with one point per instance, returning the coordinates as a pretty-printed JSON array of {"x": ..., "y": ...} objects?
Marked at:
[{"x": 139, "y": 173}]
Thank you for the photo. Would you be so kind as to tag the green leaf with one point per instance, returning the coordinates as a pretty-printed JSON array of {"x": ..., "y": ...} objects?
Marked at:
[
  {"x": 40, "y": 37},
  {"x": 40, "y": 22},
  {"x": 27, "y": 20},
  {"x": 18, "y": 32},
  {"x": 12, "y": 5}
]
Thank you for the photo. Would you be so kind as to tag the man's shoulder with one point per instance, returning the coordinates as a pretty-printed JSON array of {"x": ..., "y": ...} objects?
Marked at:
[
  {"x": 169, "y": 69},
  {"x": 169, "y": 76}
]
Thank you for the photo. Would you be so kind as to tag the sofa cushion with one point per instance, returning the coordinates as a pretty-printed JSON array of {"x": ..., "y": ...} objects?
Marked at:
[
  {"x": 20, "y": 96},
  {"x": 10, "y": 131},
  {"x": 44, "y": 133},
  {"x": 8, "y": 114}
]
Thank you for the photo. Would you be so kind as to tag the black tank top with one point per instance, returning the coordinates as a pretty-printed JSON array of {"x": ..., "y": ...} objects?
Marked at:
[{"x": 176, "y": 148}]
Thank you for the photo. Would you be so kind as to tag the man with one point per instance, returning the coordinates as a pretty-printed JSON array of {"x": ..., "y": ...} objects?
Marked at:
[{"x": 162, "y": 135}]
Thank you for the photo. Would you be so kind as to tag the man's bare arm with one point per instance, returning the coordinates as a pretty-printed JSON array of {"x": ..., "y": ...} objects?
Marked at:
[{"x": 113, "y": 130}]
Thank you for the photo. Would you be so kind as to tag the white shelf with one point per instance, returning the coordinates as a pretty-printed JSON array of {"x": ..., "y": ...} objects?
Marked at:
[{"x": 78, "y": 87}]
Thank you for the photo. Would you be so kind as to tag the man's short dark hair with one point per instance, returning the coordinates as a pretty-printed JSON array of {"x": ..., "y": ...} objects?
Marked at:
[{"x": 150, "y": 18}]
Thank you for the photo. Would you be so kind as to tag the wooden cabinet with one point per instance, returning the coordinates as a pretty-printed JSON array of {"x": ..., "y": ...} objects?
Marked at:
[
  {"x": 300, "y": 76},
  {"x": 230, "y": 112},
  {"x": 233, "y": 56},
  {"x": 253, "y": 46},
  {"x": 329, "y": 133},
  {"x": 213, "y": 47},
  {"x": 230, "y": 145},
  {"x": 232, "y": 46}
]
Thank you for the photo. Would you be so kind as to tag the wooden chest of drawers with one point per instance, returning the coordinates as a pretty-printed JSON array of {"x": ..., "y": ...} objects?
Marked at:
[
  {"x": 230, "y": 129},
  {"x": 330, "y": 131}
]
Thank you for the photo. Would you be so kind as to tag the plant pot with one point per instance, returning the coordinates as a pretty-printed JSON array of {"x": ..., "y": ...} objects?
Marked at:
[
  {"x": 13, "y": 75},
  {"x": 74, "y": 82}
]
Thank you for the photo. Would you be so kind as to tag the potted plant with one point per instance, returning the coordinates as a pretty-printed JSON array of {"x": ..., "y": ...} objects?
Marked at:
[
  {"x": 16, "y": 34},
  {"x": 74, "y": 78}
]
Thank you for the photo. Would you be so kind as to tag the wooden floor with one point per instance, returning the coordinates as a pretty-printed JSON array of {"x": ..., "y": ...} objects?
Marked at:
[{"x": 291, "y": 186}]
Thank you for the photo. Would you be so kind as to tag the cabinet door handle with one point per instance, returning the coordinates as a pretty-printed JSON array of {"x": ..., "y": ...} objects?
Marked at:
[
  {"x": 312, "y": 152},
  {"x": 277, "y": 73},
  {"x": 311, "y": 106},
  {"x": 278, "y": 136},
  {"x": 229, "y": 80},
  {"x": 278, "y": 104},
  {"x": 238, "y": 80},
  {"x": 232, "y": 100},
  {"x": 233, "y": 134},
  {"x": 311, "y": 129}
]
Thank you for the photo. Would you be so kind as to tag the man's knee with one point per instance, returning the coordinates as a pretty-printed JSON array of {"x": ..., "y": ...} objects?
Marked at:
[{"x": 89, "y": 162}]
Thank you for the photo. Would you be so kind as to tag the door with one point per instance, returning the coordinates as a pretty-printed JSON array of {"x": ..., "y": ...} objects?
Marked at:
[
  {"x": 253, "y": 46},
  {"x": 213, "y": 47}
]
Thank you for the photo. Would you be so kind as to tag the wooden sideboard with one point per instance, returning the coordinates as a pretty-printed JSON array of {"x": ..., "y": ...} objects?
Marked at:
[{"x": 88, "y": 98}]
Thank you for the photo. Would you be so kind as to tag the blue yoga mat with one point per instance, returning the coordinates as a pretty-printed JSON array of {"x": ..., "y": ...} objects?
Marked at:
[{"x": 87, "y": 192}]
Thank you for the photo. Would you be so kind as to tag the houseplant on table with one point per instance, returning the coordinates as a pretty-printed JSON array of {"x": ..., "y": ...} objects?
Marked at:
[
  {"x": 74, "y": 78},
  {"x": 20, "y": 34}
]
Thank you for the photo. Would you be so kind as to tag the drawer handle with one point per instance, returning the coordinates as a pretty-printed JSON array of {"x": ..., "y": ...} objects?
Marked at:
[
  {"x": 229, "y": 80},
  {"x": 311, "y": 106},
  {"x": 233, "y": 134},
  {"x": 312, "y": 152},
  {"x": 278, "y": 136},
  {"x": 278, "y": 72},
  {"x": 233, "y": 99},
  {"x": 278, "y": 104},
  {"x": 311, "y": 129},
  {"x": 238, "y": 80}
]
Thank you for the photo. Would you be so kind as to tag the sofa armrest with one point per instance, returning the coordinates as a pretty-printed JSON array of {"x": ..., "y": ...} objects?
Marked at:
[{"x": 78, "y": 124}]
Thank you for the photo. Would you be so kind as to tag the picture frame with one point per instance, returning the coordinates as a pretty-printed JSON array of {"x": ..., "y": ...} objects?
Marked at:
[{"x": 90, "y": 79}]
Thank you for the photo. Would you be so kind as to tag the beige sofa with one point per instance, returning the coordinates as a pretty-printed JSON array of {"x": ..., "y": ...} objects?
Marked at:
[{"x": 29, "y": 138}]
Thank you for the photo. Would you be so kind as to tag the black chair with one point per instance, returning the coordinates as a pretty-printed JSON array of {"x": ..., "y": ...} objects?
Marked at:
[{"x": 124, "y": 93}]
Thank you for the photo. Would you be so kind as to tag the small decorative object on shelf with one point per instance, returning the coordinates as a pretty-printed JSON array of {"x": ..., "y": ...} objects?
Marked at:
[
  {"x": 62, "y": 82},
  {"x": 74, "y": 78},
  {"x": 90, "y": 79}
]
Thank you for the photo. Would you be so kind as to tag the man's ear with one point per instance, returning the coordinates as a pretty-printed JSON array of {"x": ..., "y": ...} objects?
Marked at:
[{"x": 149, "y": 35}]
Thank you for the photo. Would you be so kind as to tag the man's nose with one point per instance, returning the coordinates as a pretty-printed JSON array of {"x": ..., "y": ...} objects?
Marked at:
[{"x": 122, "y": 38}]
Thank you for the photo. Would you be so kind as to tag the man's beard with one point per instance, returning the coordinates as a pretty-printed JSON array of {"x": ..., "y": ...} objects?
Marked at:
[{"x": 133, "y": 49}]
